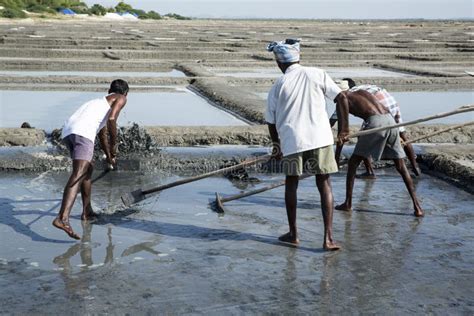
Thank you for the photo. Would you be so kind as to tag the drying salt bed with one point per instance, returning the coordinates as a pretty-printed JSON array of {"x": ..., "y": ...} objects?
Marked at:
[
  {"x": 415, "y": 105},
  {"x": 49, "y": 109},
  {"x": 338, "y": 73},
  {"x": 172, "y": 73},
  {"x": 174, "y": 255}
]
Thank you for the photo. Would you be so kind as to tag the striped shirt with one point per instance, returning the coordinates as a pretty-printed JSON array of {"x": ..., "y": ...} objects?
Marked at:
[
  {"x": 382, "y": 96},
  {"x": 385, "y": 98}
]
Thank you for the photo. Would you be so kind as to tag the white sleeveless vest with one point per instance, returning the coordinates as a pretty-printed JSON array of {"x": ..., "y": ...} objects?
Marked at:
[{"x": 88, "y": 120}]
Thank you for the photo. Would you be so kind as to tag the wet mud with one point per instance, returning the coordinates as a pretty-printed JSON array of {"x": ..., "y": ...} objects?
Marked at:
[
  {"x": 172, "y": 253},
  {"x": 175, "y": 253},
  {"x": 453, "y": 163}
]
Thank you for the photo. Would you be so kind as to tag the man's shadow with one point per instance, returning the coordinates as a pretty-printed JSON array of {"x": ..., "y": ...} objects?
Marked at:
[{"x": 8, "y": 217}]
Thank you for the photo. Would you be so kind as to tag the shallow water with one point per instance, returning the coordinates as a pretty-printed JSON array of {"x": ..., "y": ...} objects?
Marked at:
[
  {"x": 173, "y": 73},
  {"x": 336, "y": 73},
  {"x": 173, "y": 251},
  {"x": 50, "y": 109},
  {"x": 415, "y": 105}
]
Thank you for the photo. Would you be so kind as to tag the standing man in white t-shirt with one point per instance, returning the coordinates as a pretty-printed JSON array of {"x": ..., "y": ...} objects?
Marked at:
[
  {"x": 299, "y": 127},
  {"x": 98, "y": 116}
]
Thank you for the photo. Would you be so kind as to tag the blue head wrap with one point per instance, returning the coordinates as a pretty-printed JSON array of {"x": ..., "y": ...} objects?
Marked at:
[{"x": 287, "y": 51}]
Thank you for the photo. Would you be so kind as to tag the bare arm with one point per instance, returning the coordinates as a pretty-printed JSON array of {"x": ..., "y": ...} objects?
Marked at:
[
  {"x": 342, "y": 108},
  {"x": 117, "y": 106},
  {"x": 104, "y": 143},
  {"x": 276, "y": 149}
]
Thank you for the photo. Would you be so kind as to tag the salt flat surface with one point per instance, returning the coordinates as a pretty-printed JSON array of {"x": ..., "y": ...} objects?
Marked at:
[{"x": 173, "y": 250}]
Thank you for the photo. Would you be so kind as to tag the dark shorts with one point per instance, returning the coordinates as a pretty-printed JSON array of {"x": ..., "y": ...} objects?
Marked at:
[
  {"x": 79, "y": 147},
  {"x": 382, "y": 144}
]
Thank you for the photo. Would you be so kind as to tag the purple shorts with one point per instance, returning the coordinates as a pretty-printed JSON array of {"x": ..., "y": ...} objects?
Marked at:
[{"x": 80, "y": 147}]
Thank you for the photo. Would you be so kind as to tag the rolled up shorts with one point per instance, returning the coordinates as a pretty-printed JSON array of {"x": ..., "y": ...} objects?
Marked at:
[
  {"x": 382, "y": 144},
  {"x": 80, "y": 148},
  {"x": 315, "y": 161}
]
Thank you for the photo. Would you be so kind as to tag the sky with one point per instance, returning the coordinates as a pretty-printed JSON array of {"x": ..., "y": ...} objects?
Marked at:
[{"x": 307, "y": 9}]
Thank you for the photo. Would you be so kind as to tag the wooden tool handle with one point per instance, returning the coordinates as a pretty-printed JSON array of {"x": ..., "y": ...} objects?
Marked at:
[
  {"x": 266, "y": 188},
  {"x": 205, "y": 175},
  {"x": 438, "y": 132},
  {"x": 463, "y": 109}
]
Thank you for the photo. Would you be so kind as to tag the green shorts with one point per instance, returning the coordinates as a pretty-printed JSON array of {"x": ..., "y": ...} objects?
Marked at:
[{"x": 314, "y": 161}]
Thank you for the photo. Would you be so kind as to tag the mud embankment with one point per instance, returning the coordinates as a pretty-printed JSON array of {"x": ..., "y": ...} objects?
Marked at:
[
  {"x": 453, "y": 163},
  {"x": 231, "y": 98},
  {"x": 22, "y": 137},
  {"x": 184, "y": 136}
]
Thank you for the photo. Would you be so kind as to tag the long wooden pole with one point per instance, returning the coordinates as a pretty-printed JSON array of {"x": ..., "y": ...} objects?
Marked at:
[
  {"x": 462, "y": 109},
  {"x": 206, "y": 175},
  {"x": 438, "y": 132}
]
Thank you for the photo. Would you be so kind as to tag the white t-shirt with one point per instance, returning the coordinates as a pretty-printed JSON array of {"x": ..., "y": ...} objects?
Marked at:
[
  {"x": 88, "y": 120},
  {"x": 296, "y": 105}
]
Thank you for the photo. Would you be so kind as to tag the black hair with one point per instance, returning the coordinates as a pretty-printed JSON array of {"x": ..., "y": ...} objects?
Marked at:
[
  {"x": 119, "y": 86},
  {"x": 350, "y": 82}
]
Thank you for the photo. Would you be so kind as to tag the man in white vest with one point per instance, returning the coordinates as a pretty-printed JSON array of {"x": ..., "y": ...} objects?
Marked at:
[
  {"x": 98, "y": 116},
  {"x": 299, "y": 127}
]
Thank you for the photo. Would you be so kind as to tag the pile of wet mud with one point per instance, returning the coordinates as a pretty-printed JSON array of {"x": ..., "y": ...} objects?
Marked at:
[
  {"x": 132, "y": 140},
  {"x": 452, "y": 163}
]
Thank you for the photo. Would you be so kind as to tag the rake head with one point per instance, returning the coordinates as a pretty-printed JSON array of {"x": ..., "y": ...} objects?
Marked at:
[
  {"x": 131, "y": 198},
  {"x": 218, "y": 205}
]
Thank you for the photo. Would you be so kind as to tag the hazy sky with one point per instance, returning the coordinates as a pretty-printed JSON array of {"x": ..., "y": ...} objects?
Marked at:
[{"x": 307, "y": 9}]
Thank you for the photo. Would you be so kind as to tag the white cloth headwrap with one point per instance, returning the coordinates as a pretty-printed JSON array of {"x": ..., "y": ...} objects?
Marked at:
[{"x": 285, "y": 53}]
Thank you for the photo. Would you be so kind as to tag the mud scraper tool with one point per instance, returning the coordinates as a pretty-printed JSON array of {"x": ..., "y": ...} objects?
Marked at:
[{"x": 136, "y": 196}]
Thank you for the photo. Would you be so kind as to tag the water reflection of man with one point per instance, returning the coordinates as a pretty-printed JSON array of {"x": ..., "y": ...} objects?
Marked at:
[
  {"x": 300, "y": 131},
  {"x": 379, "y": 145},
  {"x": 84, "y": 248},
  {"x": 98, "y": 116}
]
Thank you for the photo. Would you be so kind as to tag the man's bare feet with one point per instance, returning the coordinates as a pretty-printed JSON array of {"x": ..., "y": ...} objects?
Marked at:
[
  {"x": 343, "y": 207},
  {"x": 331, "y": 246},
  {"x": 290, "y": 238},
  {"x": 419, "y": 212},
  {"x": 366, "y": 175},
  {"x": 58, "y": 223}
]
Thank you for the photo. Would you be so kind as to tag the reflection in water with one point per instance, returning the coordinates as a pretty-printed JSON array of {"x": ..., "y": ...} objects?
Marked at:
[
  {"x": 326, "y": 284},
  {"x": 84, "y": 247},
  {"x": 144, "y": 246}
]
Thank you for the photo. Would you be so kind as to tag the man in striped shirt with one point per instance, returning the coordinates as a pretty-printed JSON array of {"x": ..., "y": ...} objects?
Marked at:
[{"x": 388, "y": 101}]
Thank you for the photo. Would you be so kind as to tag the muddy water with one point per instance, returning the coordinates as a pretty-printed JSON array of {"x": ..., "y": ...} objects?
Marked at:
[
  {"x": 173, "y": 73},
  {"x": 48, "y": 110},
  {"x": 174, "y": 254}
]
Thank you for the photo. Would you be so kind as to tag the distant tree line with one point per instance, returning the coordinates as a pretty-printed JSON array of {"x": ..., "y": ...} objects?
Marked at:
[{"x": 15, "y": 9}]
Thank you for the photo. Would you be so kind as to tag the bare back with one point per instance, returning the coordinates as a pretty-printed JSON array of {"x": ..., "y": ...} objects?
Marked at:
[{"x": 363, "y": 104}]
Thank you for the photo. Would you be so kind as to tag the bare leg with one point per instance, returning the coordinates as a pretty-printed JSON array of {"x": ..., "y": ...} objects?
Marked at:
[
  {"x": 354, "y": 161},
  {"x": 327, "y": 205},
  {"x": 369, "y": 170},
  {"x": 291, "y": 187},
  {"x": 86, "y": 187},
  {"x": 402, "y": 169},
  {"x": 410, "y": 152},
  {"x": 79, "y": 172}
]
